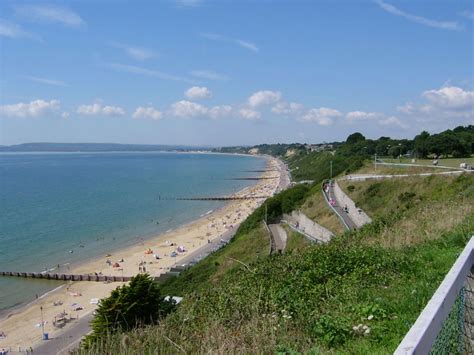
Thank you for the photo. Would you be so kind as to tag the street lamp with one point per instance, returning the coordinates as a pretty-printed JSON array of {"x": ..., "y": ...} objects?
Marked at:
[
  {"x": 42, "y": 323},
  {"x": 400, "y": 152}
]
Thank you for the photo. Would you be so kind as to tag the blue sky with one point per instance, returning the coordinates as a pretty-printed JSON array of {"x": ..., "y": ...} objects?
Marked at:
[{"x": 233, "y": 72}]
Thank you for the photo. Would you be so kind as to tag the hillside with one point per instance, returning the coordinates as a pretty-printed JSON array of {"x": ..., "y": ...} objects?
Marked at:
[
  {"x": 311, "y": 299},
  {"x": 359, "y": 293}
]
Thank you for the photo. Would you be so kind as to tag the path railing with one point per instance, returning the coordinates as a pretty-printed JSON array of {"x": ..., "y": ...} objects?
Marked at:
[{"x": 446, "y": 325}]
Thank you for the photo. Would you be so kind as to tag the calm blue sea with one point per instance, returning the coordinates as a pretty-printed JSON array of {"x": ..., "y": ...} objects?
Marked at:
[{"x": 88, "y": 203}]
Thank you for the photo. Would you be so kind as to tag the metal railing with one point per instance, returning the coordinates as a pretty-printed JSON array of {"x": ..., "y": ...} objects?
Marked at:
[{"x": 446, "y": 324}]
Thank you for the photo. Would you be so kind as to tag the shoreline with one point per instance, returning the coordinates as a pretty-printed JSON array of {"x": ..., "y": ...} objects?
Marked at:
[
  {"x": 140, "y": 239},
  {"x": 19, "y": 323}
]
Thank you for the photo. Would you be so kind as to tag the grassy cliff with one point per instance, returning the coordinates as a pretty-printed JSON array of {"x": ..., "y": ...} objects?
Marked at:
[{"x": 311, "y": 298}]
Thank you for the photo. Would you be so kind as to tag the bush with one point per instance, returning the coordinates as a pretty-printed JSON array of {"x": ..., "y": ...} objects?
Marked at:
[{"x": 137, "y": 304}]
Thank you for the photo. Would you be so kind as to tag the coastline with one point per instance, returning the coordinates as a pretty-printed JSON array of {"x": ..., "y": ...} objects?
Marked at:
[{"x": 22, "y": 325}]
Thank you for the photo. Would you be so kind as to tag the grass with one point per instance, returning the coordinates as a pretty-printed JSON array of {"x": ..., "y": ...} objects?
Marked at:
[
  {"x": 244, "y": 248},
  {"x": 295, "y": 242},
  {"x": 368, "y": 168},
  {"x": 452, "y": 162},
  {"x": 316, "y": 208},
  {"x": 310, "y": 300}
]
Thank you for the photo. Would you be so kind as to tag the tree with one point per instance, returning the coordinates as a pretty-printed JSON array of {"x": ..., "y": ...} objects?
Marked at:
[
  {"x": 354, "y": 138},
  {"x": 137, "y": 304},
  {"x": 420, "y": 144}
]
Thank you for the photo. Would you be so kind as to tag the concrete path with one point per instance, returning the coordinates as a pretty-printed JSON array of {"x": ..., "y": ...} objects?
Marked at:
[
  {"x": 355, "y": 214},
  {"x": 363, "y": 177},
  {"x": 279, "y": 236},
  {"x": 343, "y": 216},
  {"x": 380, "y": 162},
  {"x": 68, "y": 340},
  {"x": 306, "y": 226}
]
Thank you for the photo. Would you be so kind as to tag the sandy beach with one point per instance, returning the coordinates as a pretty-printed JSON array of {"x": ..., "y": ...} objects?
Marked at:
[{"x": 22, "y": 328}]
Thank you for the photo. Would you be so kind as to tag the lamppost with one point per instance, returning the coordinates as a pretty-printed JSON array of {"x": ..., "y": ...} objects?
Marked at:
[
  {"x": 400, "y": 152},
  {"x": 42, "y": 323},
  {"x": 330, "y": 166}
]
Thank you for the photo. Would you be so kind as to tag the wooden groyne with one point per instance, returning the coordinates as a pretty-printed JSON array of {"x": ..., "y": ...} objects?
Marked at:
[
  {"x": 66, "y": 277},
  {"x": 254, "y": 178},
  {"x": 224, "y": 198},
  {"x": 259, "y": 171}
]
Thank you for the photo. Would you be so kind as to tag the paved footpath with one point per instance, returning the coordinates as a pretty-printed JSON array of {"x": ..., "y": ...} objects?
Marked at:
[
  {"x": 67, "y": 340},
  {"x": 279, "y": 236},
  {"x": 349, "y": 224}
]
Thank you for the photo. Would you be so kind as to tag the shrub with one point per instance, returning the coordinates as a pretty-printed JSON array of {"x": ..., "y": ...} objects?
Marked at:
[{"x": 137, "y": 304}]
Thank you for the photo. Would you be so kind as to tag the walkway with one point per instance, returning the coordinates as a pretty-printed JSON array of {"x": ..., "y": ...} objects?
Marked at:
[
  {"x": 362, "y": 177},
  {"x": 306, "y": 226},
  {"x": 67, "y": 340},
  {"x": 338, "y": 209},
  {"x": 279, "y": 237}
]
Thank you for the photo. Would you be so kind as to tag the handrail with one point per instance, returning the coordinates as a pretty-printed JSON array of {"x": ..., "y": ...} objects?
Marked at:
[
  {"x": 332, "y": 207},
  {"x": 422, "y": 335}
]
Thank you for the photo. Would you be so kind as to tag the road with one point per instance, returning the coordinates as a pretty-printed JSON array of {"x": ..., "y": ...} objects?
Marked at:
[
  {"x": 349, "y": 224},
  {"x": 68, "y": 340},
  {"x": 279, "y": 236}
]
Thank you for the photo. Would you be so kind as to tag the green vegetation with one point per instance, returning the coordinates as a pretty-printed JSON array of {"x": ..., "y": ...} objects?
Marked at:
[
  {"x": 296, "y": 241},
  {"x": 359, "y": 293},
  {"x": 312, "y": 298},
  {"x": 315, "y": 207},
  {"x": 452, "y": 162},
  {"x": 245, "y": 247},
  {"x": 137, "y": 304}
]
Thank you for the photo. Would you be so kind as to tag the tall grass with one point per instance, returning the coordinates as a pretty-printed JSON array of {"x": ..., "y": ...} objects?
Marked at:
[{"x": 379, "y": 277}]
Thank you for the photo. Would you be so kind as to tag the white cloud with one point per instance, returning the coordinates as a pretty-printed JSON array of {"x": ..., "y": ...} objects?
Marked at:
[
  {"x": 147, "y": 113},
  {"x": 50, "y": 14},
  {"x": 323, "y": 116},
  {"x": 468, "y": 14},
  {"x": 240, "y": 42},
  {"x": 220, "y": 111},
  {"x": 188, "y": 3},
  {"x": 408, "y": 108},
  {"x": 292, "y": 108},
  {"x": 65, "y": 115},
  {"x": 445, "y": 25},
  {"x": 32, "y": 109},
  {"x": 98, "y": 109},
  {"x": 249, "y": 114},
  {"x": 47, "y": 81},
  {"x": 248, "y": 45},
  {"x": 264, "y": 97},
  {"x": 362, "y": 116},
  {"x": 147, "y": 72},
  {"x": 393, "y": 121},
  {"x": 137, "y": 53},
  {"x": 12, "y": 30},
  {"x": 187, "y": 109},
  {"x": 198, "y": 92},
  {"x": 445, "y": 107},
  {"x": 209, "y": 75},
  {"x": 451, "y": 98}
]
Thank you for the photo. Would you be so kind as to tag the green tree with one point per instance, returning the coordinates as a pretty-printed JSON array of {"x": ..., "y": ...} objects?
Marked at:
[
  {"x": 137, "y": 304},
  {"x": 420, "y": 143},
  {"x": 355, "y": 137}
]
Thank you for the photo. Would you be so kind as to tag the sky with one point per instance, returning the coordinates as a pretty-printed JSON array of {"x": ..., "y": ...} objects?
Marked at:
[{"x": 219, "y": 73}]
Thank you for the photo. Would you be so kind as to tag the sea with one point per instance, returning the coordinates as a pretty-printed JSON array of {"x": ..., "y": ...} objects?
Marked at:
[{"x": 66, "y": 208}]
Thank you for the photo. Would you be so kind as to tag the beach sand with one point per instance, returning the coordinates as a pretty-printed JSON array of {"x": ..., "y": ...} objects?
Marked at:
[{"x": 22, "y": 327}]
